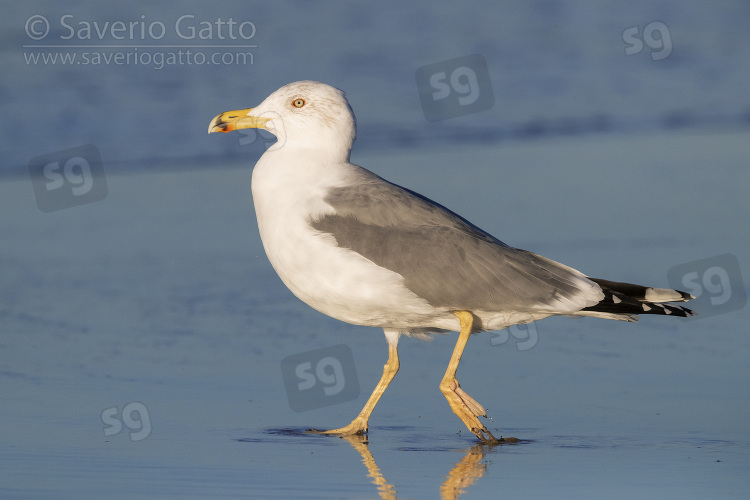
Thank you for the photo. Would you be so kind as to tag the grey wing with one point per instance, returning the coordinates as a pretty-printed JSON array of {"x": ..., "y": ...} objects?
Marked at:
[{"x": 445, "y": 259}]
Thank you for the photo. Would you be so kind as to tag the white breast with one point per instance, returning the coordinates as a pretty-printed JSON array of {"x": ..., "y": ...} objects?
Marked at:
[{"x": 335, "y": 281}]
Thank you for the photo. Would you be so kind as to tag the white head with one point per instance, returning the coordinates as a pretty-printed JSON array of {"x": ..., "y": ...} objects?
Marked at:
[{"x": 302, "y": 115}]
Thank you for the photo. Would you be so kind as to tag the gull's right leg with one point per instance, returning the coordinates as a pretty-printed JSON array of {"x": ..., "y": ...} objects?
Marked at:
[{"x": 359, "y": 424}]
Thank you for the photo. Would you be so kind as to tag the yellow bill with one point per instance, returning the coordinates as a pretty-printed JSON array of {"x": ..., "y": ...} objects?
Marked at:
[{"x": 233, "y": 120}]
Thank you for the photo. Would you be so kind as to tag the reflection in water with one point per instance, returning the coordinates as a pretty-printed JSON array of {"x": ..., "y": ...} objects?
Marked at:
[
  {"x": 464, "y": 473},
  {"x": 386, "y": 491}
]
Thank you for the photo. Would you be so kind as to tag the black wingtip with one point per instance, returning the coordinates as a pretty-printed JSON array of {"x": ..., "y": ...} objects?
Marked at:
[{"x": 627, "y": 298}]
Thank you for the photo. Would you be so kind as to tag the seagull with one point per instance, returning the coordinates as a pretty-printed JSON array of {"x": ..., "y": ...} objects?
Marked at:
[{"x": 369, "y": 252}]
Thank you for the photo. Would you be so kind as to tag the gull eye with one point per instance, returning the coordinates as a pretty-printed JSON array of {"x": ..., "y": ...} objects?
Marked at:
[{"x": 298, "y": 103}]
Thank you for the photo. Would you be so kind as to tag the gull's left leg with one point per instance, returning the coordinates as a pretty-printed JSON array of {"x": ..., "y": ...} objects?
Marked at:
[
  {"x": 461, "y": 403},
  {"x": 359, "y": 424}
]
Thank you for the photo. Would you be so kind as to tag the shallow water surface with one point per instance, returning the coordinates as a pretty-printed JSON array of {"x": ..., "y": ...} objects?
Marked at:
[{"x": 143, "y": 337}]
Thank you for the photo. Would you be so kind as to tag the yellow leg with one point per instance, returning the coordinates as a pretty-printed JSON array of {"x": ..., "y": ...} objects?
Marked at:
[
  {"x": 359, "y": 424},
  {"x": 461, "y": 403}
]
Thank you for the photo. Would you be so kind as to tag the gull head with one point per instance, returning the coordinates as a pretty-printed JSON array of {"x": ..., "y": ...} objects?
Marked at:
[{"x": 302, "y": 115}]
